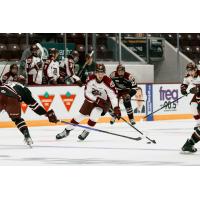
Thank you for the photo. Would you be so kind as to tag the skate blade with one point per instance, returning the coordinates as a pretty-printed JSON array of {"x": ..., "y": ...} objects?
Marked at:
[
  {"x": 187, "y": 152},
  {"x": 80, "y": 140},
  {"x": 30, "y": 146}
]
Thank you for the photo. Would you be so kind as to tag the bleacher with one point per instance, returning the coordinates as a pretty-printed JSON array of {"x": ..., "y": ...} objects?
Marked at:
[
  {"x": 189, "y": 43},
  {"x": 13, "y": 44}
]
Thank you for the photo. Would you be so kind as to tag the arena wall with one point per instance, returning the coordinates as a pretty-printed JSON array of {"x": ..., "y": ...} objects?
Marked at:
[{"x": 67, "y": 100}]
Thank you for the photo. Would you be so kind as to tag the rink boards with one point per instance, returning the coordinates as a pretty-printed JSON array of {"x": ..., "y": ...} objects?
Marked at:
[{"x": 67, "y": 100}]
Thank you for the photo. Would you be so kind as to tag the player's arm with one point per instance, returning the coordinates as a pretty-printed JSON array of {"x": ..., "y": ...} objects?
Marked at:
[
  {"x": 26, "y": 96},
  {"x": 30, "y": 65},
  {"x": 184, "y": 86},
  {"x": 133, "y": 83},
  {"x": 112, "y": 94},
  {"x": 50, "y": 75},
  {"x": 73, "y": 75},
  {"x": 89, "y": 92},
  {"x": 4, "y": 78}
]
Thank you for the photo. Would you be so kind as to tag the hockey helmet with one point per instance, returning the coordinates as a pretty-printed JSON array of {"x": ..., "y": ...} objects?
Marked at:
[
  {"x": 53, "y": 53},
  {"x": 74, "y": 55},
  {"x": 191, "y": 66},
  {"x": 120, "y": 67},
  {"x": 100, "y": 68},
  {"x": 34, "y": 50}
]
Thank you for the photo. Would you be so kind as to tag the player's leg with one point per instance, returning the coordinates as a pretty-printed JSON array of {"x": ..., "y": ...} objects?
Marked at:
[
  {"x": 13, "y": 109},
  {"x": 189, "y": 144},
  {"x": 21, "y": 125},
  {"x": 128, "y": 107},
  {"x": 94, "y": 116},
  {"x": 113, "y": 116},
  {"x": 85, "y": 110},
  {"x": 66, "y": 131}
]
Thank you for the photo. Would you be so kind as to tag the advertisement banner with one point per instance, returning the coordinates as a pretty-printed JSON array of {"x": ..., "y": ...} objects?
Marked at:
[
  {"x": 67, "y": 100},
  {"x": 149, "y": 101},
  {"x": 166, "y": 93}
]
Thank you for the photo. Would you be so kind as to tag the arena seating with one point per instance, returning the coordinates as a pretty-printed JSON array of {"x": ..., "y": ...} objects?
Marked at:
[
  {"x": 189, "y": 44},
  {"x": 13, "y": 44}
]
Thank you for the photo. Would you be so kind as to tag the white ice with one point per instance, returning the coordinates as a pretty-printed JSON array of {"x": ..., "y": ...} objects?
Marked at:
[{"x": 100, "y": 148}]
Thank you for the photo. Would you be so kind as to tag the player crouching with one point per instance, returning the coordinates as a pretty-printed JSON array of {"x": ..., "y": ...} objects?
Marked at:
[
  {"x": 11, "y": 94},
  {"x": 100, "y": 93}
]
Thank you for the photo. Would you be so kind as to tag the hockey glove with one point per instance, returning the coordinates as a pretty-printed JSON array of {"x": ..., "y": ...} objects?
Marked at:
[
  {"x": 184, "y": 92},
  {"x": 79, "y": 83},
  {"x": 100, "y": 102},
  {"x": 51, "y": 116},
  {"x": 195, "y": 90},
  {"x": 117, "y": 112}
]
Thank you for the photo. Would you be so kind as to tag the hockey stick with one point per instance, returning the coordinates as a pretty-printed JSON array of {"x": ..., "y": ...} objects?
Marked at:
[
  {"x": 3, "y": 70},
  {"x": 81, "y": 71},
  {"x": 42, "y": 56},
  {"x": 151, "y": 140},
  {"x": 102, "y": 131},
  {"x": 138, "y": 100},
  {"x": 164, "y": 106}
]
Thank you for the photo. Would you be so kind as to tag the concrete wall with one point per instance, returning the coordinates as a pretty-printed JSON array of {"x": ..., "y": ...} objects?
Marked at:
[{"x": 166, "y": 71}]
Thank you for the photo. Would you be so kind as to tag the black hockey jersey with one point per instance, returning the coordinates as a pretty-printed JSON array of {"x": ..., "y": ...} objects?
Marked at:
[
  {"x": 22, "y": 93},
  {"x": 121, "y": 83}
]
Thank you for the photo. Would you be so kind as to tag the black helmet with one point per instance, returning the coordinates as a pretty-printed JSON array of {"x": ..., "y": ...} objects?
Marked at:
[
  {"x": 53, "y": 53},
  {"x": 74, "y": 55},
  {"x": 34, "y": 50}
]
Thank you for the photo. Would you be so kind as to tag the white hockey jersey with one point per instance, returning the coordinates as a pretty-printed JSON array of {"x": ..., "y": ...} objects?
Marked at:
[
  {"x": 69, "y": 68},
  {"x": 34, "y": 70},
  {"x": 51, "y": 70},
  {"x": 104, "y": 90}
]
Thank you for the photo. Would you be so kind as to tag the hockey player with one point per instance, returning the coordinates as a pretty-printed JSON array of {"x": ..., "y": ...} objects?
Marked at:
[
  {"x": 87, "y": 68},
  {"x": 67, "y": 68},
  {"x": 126, "y": 86},
  {"x": 11, "y": 94},
  {"x": 32, "y": 50},
  {"x": 192, "y": 78},
  {"x": 100, "y": 92},
  {"x": 34, "y": 65},
  {"x": 51, "y": 67},
  {"x": 11, "y": 75}
]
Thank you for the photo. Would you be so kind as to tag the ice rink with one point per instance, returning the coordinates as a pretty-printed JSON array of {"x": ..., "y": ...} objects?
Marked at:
[{"x": 100, "y": 148}]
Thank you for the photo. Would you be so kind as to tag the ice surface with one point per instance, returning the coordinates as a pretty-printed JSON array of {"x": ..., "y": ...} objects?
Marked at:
[{"x": 100, "y": 148}]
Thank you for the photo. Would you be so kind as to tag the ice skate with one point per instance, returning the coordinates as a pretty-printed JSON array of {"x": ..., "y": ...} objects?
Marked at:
[
  {"x": 27, "y": 138},
  {"x": 188, "y": 146},
  {"x": 112, "y": 121},
  {"x": 28, "y": 141},
  {"x": 63, "y": 134},
  {"x": 83, "y": 135},
  {"x": 132, "y": 122}
]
